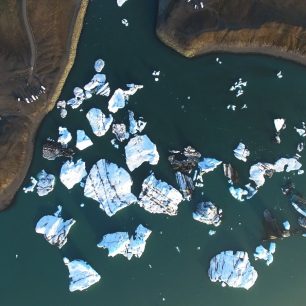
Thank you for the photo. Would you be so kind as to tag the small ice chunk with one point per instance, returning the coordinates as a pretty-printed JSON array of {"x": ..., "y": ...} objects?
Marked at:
[
  {"x": 31, "y": 187},
  {"x": 238, "y": 193},
  {"x": 83, "y": 141},
  {"x": 232, "y": 269},
  {"x": 65, "y": 136},
  {"x": 135, "y": 125},
  {"x": 81, "y": 274},
  {"x": 211, "y": 232},
  {"x": 208, "y": 164},
  {"x": 156, "y": 73},
  {"x": 120, "y": 2},
  {"x": 125, "y": 22},
  {"x": 286, "y": 225},
  {"x": 54, "y": 228},
  {"x": 279, "y": 124},
  {"x": 63, "y": 113},
  {"x": 241, "y": 152},
  {"x": 264, "y": 254},
  {"x": 140, "y": 149},
  {"x": 279, "y": 75},
  {"x": 99, "y": 123},
  {"x": 72, "y": 173},
  {"x": 208, "y": 213},
  {"x": 82, "y": 205},
  {"x": 45, "y": 183},
  {"x": 178, "y": 249},
  {"x": 97, "y": 81},
  {"x": 158, "y": 197},
  {"x": 301, "y": 132},
  {"x": 99, "y": 65}
]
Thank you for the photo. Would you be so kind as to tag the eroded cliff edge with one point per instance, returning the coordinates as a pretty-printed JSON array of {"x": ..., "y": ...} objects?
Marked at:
[
  {"x": 38, "y": 40},
  {"x": 275, "y": 27}
]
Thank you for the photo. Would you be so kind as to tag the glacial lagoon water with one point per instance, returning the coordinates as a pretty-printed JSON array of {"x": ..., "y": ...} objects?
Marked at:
[{"x": 38, "y": 275}]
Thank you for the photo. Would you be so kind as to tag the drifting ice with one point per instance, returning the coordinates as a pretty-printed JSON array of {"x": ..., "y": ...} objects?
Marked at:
[
  {"x": 241, "y": 152},
  {"x": 208, "y": 213},
  {"x": 65, "y": 136},
  {"x": 99, "y": 65},
  {"x": 72, "y": 173},
  {"x": 83, "y": 141},
  {"x": 45, "y": 183},
  {"x": 99, "y": 123},
  {"x": 208, "y": 164}
]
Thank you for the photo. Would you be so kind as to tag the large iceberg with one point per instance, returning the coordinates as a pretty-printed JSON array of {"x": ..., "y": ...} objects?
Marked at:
[
  {"x": 140, "y": 149},
  {"x": 72, "y": 173},
  {"x": 135, "y": 125},
  {"x": 232, "y": 269},
  {"x": 208, "y": 213},
  {"x": 262, "y": 253},
  {"x": 291, "y": 164},
  {"x": 120, "y": 243},
  {"x": 81, "y": 274},
  {"x": 120, "y": 2},
  {"x": 208, "y": 164},
  {"x": 241, "y": 152},
  {"x": 54, "y": 228},
  {"x": 64, "y": 136},
  {"x": 83, "y": 141},
  {"x": 159, "y": 197},
  {"x": 259, "y": 171},
  {"x": 45, "y": 183},
  {"x": 99, "y": 123},
  {"x": 110, "y": 185}
]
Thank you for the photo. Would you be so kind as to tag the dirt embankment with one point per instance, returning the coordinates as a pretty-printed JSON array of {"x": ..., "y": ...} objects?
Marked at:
[
  {"x": 38, "y": 40},
  {"x": 271, "y": 27}
]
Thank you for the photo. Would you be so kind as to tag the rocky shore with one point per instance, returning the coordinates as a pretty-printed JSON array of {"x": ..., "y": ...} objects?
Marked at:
[
  {"x": 37, "y": 51},
  {"x": 196, "y": 27}
]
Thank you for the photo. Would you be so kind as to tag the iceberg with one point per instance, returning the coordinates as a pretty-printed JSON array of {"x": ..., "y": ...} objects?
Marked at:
[
  {"x": 264, "y": 254},
  {"x": 259, "y": 171},
  {"x": 140, "y": 149},
  {"x": 98, "y": 121},
  {"x": 119, "y": 129},
  {"x": 241, "y": 152},
  {"x": 31, "y": 187},
  {"x": 291, "y": 163},
  {"x": 279, "y": 124},
  {"x": 109, "y": 185},
  {"x": 54, "y": 228},
  {"x": 99, "y": 65},
  {"x": 45, "y": 183},
  {"x": 158, "y": 197},
  {"x": 208, "y": 213},
  {"x": 72, "y": 173},
  {"x": 185, "y": 184},
  {"x": 96, "y": 82},
  {"x": 120, "y": 243},
  {"x": 65, "y": 136},
  {"x": 120, "y": 2},
  {"x": 81, "y": 274},
  {"x": 132, "y": 89},
  {"x": 232, "y": 269},
  {"x": 238, "y": 193},
  {"x": 135, "y": 125},
  {"x": 117, "y": 100},
  {"x": 83, "y": 141},
  {"x": 208, "y": 164}
]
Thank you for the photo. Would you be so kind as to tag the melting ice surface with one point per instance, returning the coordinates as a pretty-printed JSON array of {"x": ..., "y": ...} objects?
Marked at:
[{"x": 72, "y": 173}]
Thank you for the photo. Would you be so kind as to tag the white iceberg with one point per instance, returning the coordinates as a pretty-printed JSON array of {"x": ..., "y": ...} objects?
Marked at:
[
  {"x": 110, "y": 185},
  {"x": 45, "y": 183},
  {"x": 72, "y": 173},
  {"x": 208, "y": 164},
  {"x": 103, "y": 90},
  {"x": 119, "y": 129},
  {"x": 96, "y": 82},
  {"x": 279, "y": 124},
  {"x": 291, "y": 164},
  {"x": 83, "y": 141},
  {"x": 117, "y": 100},
  {"x": 232, "y": 269},
  {"x": 120, "y": 243},
  {"x": 99, "y": 65},
  {"x": 81, "y": 274},
  {"x": 208, "y": 213},
  {"x": 301, "y": 132},
  {"x": 264, "y": 254},
  {"x": 158, "y": 197},
  {"x": 54, "y": 228},
  {"x": 65, "y": 136},
  {"x": 132, "y": 89},
  {"x": 238, "y": 193},
  {"x": 98, "y": 121},
  {"x": 241, "y": 152},
  {"x": 136, "y": 125},
  {"x": 31, "y": 187},
  {"x": 120, "y": 2},
  {"x": 259, "y": 171},
  {"x": 140, "y": 149}
]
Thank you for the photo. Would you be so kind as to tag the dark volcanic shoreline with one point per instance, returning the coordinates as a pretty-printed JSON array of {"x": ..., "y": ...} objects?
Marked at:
[
  {"x": 56, "y": 36},
  {"x": 238, "y": 26}
]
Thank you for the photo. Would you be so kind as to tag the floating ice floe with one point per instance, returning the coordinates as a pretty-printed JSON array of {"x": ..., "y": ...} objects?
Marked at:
[
  {"x": 231, "y": 106},
  {"x": 97, "y": 81},
  {"x": 135, "y": 125},
  {"x": 241, "y": 152},
  {"x": 65, "y": 136},
  {"x": 217, "y": 59},
  {"x": 302, "y": 131},
  {"x": 54, "y": 228},
  {"x": 291, "y": 164},
  {"x": 83, "y": 141},
  {"x": 30, "y": 188},
  {"x": 79, "y": 97},
  {"x": 286, "y": 225},
  {"x": 99, "y": 65},
  {"x": 121, "y": 243},
  {"x": 98, "y": 121},
  {"x": 72, "y": 173},
  {"x": 300, "y": 147},
  {"x": 232, "y": 269},
  {"x": 120, "y": 2},
  {"x": 208, "y": 213},
  {"x": 125, "y": 22},
  {"x": 119, "y": 129},
  {"x": 238, "y": 193},
  {"x": 45, "y": 183},
  {"x": 259, "y": 171},
  {"x": 110, "y": 185},
  {"x": 159, "y": 197},
  {"x": 81, "y": 274},
  {"x": 140, "y": 149},
  {"x": 267, "y": 255},
  {"x": 185, "y": 184},
  {"x": 237, "y": 87},
  {"x": 208, "y": 164},
  {"x": 279, "y": 124},
  {"x": 279, "y": 75},
  {"x": 62, "y": 106}
]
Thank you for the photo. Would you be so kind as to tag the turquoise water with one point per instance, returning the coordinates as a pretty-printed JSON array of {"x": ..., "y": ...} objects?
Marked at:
[{"x": 38, "y": 276}]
